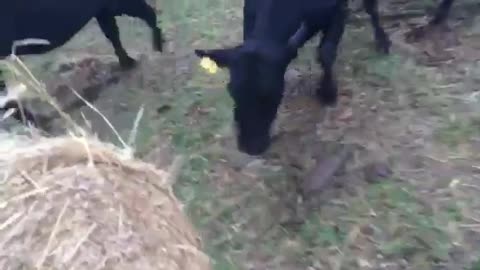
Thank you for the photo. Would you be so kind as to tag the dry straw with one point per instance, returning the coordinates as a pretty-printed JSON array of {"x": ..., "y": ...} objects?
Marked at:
[
  {"x": 78, "y": 203},
  {"x": 74, "y": 202}
]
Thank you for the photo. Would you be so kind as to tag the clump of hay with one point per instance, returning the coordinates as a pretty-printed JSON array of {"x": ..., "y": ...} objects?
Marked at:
[{"x": 78, "y": 203}]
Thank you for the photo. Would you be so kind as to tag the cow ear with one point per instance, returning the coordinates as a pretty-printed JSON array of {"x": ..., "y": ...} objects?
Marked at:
[{"x": 221, "y": 57}]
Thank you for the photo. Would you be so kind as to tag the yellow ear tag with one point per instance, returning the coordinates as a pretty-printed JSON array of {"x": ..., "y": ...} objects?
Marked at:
[{"x": 209, "y": 65}]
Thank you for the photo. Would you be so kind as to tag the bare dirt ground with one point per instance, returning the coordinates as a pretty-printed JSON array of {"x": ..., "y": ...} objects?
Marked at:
[{"x": 406, "y": 198}]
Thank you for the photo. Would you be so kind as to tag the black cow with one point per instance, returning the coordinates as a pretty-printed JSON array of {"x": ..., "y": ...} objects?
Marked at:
[
  {"x": 273, "y": 32},
  {"x": 57, "y": 21}
]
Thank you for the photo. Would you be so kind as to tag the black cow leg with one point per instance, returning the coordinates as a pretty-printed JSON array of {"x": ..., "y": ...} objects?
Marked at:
[
  {"x": 441, "y": 14},
  {"x": 2, "y": 82},
  {"x": 327, "y": 55},
  {"x": 327, "y": 92},
  {"x": 382, "y": 41},
  {"x": 146, "y": 13},
  {"x": 109, "y": 27}
]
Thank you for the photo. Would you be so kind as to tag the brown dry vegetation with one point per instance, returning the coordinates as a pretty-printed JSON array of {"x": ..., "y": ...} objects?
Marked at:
[{"x": 75, "y": 202}]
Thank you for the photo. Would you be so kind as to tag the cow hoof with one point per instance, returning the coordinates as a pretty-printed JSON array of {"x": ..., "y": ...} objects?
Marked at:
[
  {"x": 384, "y": 47},
  {"x": 327, "y": 93},
  {"x": 158, "y": 42},
  {"x": 327, "y": 99},
  {"x": 158, "y": 46},
  {"x": 128, "y": 63}
]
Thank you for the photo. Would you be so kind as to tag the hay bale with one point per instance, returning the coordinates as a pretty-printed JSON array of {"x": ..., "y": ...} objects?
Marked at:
[{"x": 69, "y": 203}]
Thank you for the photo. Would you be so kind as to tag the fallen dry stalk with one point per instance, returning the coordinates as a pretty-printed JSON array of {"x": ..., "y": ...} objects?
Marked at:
[{"x": 52, "y": 235}]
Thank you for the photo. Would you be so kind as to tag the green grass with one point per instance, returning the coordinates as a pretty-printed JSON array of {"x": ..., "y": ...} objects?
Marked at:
[
  {"x": 458, "y": 131},
  {"x": 422, "y": 232},
  {"x": 475, "y": 266}
]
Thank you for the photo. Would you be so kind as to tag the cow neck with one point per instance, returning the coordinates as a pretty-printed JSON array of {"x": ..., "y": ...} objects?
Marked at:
[{"x": 277, "y": 21}]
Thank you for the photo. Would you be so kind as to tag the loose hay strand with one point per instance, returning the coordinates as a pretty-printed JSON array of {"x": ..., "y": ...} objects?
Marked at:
[
  {"x": 136, "y": 123},
  {"x": 87, "y": 150},
  {"x": 84, "y": 238},
  {"x": 39, "y": 264},
  {"x": 30, "y": 180},
  {"x": 11, "y": 220},
  {"x": 18, "y": 226},
  {"x": 174, "y": 169},
  {"x": 125, "y": 145},
  {"x": 24, "y": 196},
  {"x": 120, "y": 220}
]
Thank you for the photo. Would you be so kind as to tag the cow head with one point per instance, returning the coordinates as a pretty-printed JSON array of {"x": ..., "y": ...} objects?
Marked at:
[{"x": 256, "y": 86}]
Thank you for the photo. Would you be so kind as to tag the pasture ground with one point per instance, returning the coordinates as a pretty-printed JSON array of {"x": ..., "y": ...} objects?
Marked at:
[{"x": 414, "y": 116}]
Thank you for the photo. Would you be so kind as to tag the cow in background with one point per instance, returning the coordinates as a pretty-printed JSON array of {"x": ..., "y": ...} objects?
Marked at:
[{"x": 57, "y": 21}]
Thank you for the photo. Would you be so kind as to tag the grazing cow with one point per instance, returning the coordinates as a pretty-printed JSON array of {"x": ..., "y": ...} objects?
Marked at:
[
  {"x": 273, "y": 32},
  {"x": 59, "y": 20}
]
